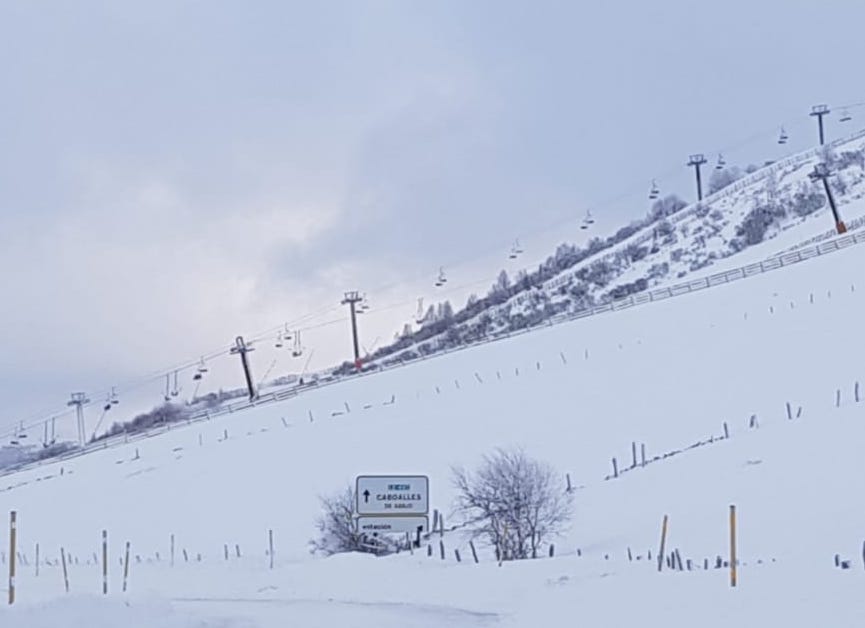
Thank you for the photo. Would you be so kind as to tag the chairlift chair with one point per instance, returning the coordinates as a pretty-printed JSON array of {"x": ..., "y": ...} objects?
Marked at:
[
  {"x": 654, "y": 191},
  {"x": 589, "y": 219},
  {"x": 278, "y": 343},
  {"x": 419, "y": 316},
  {"x": 442, "y": 280},
  {"x": 721, "y": 163},
  {"x": 845, "y": 116},
  {"x": 297, "y": 351},
  {"x": 782, "y": 139}
]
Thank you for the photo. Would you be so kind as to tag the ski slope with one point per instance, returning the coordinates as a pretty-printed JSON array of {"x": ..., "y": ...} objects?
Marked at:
[{"x": 668, "y": 374}]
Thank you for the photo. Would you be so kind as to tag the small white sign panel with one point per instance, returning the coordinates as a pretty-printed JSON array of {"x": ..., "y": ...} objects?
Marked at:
[
  {"x": 392, "y": 525},
  {"x": 392, "y": 495}
]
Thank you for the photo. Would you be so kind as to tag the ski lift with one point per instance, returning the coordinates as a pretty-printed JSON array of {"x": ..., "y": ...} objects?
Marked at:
[
  {"x": 364, "y": 305},
  {"x": 588, "y": 220},
  {"x": 175, "y": 391},
  {"x": 278, "y": 343},
  {"x": 200, "y": 371},
  {"x": 654, "y": 191},
  {"x": 721, "y": 163},
  {"x": 442, "y": 280},
  {"x": 516, "y": 250},
  {"x": 782, "y": 139},
  {"x": 419, "y": 316},
  {"x": 845, "y": 116},
  {"x": 297, "y": 351}
]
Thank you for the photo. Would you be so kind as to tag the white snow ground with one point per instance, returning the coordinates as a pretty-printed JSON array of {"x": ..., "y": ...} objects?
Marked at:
[{"x": 668, "y": 374}]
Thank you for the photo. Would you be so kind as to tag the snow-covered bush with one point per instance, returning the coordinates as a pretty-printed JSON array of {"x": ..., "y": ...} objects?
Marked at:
[{"x": 514, "y": 501}]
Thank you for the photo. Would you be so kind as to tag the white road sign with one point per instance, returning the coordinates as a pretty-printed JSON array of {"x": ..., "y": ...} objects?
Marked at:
[
  {"x": 392, "y": 495},
  {"x": 392, "y": 525}
]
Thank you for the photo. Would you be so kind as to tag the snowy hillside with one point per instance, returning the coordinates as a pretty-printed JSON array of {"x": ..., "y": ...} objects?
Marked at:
[
  {"x": 773, "y": 210},
  {"x": 671, "y": 375}
]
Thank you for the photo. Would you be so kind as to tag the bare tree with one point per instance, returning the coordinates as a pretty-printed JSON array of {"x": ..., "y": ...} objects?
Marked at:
[
  {"x": 337, "y": 532},
  {"x": 514, "y": 501}
]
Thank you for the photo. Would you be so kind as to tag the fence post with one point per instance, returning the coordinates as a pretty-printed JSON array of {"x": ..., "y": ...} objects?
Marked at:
[
  {"x": 270, "y": 546},
  {"x": 65, "y": 573},
  {"x": 172, "y": 552},
  {"x": 105, "y": 562},
  {"x": 663, "y": 543},
  {"x": 37, "y": 560},
  {"x": 13, "y": 532},
  {"x": 475, "y": 554},
  {"x": 732, "y": 545},
  {"x": 126, "y": 565}
]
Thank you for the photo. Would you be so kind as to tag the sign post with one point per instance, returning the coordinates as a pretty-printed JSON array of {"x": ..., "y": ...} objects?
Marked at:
[
  {"x": 392, "y": 504},
  {"x": 392, "y": 495}
]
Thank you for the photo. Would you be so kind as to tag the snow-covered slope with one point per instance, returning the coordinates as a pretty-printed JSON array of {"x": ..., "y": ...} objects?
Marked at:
[
  {"x": 669, "y": 374},
  {"x": 773, "y": 210}
]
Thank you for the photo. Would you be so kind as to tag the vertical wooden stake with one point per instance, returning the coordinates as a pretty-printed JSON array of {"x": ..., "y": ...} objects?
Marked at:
[
  {"x": 172, "y": 551},
  {"x": 105, "y": 562},
  {"x": 65, "y": 573},
  {"x": 441, "y": 526},
  {"x": 663, "y": 543},
  {"x": 615, "y": 469},
  {"x": 726, "y": 430},
  {"x": 442, "y": 549},
  {"x": 732, "y": 546},
  {"x": 633, "y": 454},
  {"x": 237, "y": 550},
  {"x": 270, "y": 546},
  {"x": 475, "y": 553},
  {"x": 126, "y": 565},
  {"x": 568, "y": 478},
  {"x": 13, "y": 533},
  {"x": 37, "y": 560},
  {"x": 643, "y": 454},
  {"x": 225, "y": 548}
]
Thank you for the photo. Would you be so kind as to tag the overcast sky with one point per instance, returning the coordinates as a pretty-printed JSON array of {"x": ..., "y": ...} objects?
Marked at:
[{"x": 174, "y": 173}]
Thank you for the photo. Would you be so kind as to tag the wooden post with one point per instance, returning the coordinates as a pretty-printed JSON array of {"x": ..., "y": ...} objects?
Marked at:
[
  {"x": 633, "y": 454},
  {"x": 630, "y": 555},
  {"x": 663, "y": 543},
  {"x": 552, "y": 550},
  {"x": 65, "y": 573},
  {"x": 615, "y": 469},
  {"x": 37, "y": 560},
  {"x": 441, "y": 525},
  {"x": 185, "y": 555},
  {"x": 643, "y": 454},
  {"x": 225, "y": 548},
  {"x": 237, "y": 549},
  {"x": 13, "y": 533},
  {"x": 270, "y": 546},
  {"x": 457, "y": 554},
  {"x": 429, "y": 550},
  {"x": 726, "y": 430},
  {"x": 409, "y": 543},
  {"x": 568, "y": 478},
  {"x": 475, "y": 553},
  {"x": 126, "y": 565},
  {"x": 442, "y": 549},
  {"x": 105, "y": 562},
  {"x": 732, "y": 546}
]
